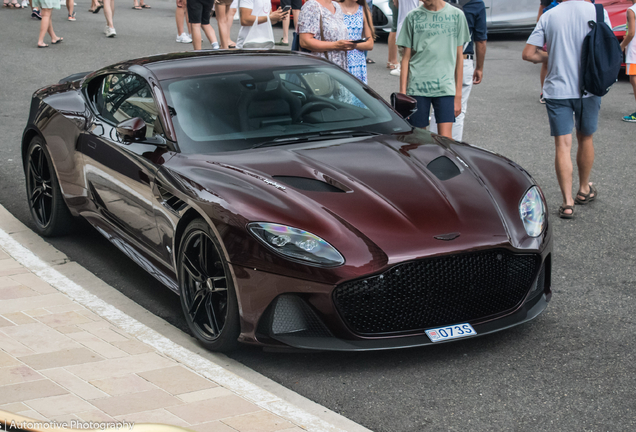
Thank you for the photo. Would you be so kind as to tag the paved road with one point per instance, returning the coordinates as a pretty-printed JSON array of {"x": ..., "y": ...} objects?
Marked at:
[{"x": 570, "y": 369}]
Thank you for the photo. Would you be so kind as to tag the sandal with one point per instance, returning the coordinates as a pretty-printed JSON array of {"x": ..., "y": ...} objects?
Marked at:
[
  {"x": 136, "y": 7},
  {"x": 392, "y": 66},
  {"x": 586, "y": 198},
  {"x": 43, "y": 46},
  {"x": 370, "y": 61},
  {"x": 15, "y": 5},
  {"x": 145, "y": 6},
  {"x": 98, "y": 8},
  {"x": 563, "y": 214},
  {"x": 59, "y": 40}
]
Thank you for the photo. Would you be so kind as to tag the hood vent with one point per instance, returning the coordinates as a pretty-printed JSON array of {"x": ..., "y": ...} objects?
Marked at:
[
  {"x": 443, "y": 168},
  {"x": 307, "y": 184}
]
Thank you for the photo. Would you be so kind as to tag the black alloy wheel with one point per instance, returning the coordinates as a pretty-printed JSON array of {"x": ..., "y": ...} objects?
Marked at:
[
  {"x": 208, "y": 298},
  {"x": 46, "y": 204}
]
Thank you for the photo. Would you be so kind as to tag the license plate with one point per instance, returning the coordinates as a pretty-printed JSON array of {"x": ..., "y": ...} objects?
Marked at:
[{"x": 450, "y": 332}]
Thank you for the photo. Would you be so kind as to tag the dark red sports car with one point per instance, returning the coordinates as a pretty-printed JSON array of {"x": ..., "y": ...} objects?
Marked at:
[{"x": 287, "y": 203}]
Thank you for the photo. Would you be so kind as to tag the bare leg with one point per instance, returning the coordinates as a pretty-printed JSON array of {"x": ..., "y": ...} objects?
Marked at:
[
  {"x": 632, "y": 79},
  {"x": 221, "y": 17},
  {"x": 179, "y": 15},
  {"x": 44, "y": 26},
  {"x": 70, "y": 6},
  {"x": 563, "y": 166},
  {"x": 584, "y": 160},
  {"x": 230, "y": 20},
  {"x": 286, "y": 29},
  {"x": 109, "y": 12},
  {"x": 445, "y": 129},
  {"x": 196, "y": 36},
  {"x": 393, "y": 57},
  {"x": 209, "y": 33}
]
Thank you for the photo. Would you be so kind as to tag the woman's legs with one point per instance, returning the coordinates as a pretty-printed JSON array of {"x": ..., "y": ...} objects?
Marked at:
[
  {"x": 222, "y": 10},
  {"x": 229, "y": 21},
  {"x": 209, "y": 33},
  {"x": 46, "y": 26},
  {"x": 109, "y": 12},
  {"x": 70, "y": 6}
]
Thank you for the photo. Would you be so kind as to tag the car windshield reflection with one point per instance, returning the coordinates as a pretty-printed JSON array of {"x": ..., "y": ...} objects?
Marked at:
[{"x": 236, "y": 111}]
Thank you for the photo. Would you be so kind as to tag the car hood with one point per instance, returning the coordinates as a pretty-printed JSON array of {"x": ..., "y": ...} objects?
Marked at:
[{"x": 381, "y": 190}]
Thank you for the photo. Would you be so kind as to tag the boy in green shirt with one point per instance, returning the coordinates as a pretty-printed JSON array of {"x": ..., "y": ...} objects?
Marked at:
[{"x": 433, "y": 36}]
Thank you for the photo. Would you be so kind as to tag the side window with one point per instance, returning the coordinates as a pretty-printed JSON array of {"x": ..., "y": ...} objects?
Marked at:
[{"x": 124, "y": 96}]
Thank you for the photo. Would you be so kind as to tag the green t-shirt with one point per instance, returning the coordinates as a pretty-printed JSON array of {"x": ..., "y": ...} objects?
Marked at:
[{"x": 433, "y": 37}]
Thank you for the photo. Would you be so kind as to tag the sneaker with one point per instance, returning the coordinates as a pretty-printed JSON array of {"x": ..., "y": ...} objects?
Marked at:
[
  {"x": 25, "y": 4},
  {"x": 541, "y": 99},
  {"x": 106, "y": 30},
  {"x": 110, "y": 32},
  {"x": 184, "y": 38},
  {"x": 215, "y": 45},
  {"x": 36, "y": 14},
  {"x": 630, "y": 118},
  {"x": 71, "y": 17},
  {"x": 395, "y": 72}
]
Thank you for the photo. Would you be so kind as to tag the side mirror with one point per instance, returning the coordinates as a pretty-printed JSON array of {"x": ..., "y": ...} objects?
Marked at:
[
  {"x": 403, "y": 104},
  {"x": 131, "y": 130}
]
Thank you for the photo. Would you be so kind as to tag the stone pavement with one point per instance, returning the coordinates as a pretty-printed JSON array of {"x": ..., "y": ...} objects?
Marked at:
[{"x": 61, "y": 361}]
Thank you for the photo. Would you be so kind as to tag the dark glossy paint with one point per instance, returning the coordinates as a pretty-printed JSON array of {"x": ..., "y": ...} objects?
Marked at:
[{"x": 141, "y": 196}]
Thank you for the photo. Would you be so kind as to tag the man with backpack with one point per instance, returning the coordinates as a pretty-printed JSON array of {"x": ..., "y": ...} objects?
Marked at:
[{"x": 564, "y": 30}]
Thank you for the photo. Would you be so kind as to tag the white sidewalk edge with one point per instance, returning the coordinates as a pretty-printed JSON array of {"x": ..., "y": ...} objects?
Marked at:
[{"x": 163, "y": 345}]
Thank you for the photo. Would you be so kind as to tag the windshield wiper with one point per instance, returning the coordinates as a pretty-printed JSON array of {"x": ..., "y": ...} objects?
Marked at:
[{"x": 315, "y": 137}]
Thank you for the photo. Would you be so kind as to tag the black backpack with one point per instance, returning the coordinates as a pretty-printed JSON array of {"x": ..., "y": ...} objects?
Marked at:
[{"x": 601, "y": 57}]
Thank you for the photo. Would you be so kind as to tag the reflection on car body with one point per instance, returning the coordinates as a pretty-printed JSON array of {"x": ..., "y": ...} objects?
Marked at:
[{"x": 287, "y": 203}]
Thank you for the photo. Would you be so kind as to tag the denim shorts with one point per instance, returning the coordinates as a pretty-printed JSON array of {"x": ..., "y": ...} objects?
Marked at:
[
  {"x": 444, "y": 110},
  {"x": 564, "y": 114}
]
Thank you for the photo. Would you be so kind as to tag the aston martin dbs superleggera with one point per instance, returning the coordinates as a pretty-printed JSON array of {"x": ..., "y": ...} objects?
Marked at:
[{"x": 287, "y": 203}]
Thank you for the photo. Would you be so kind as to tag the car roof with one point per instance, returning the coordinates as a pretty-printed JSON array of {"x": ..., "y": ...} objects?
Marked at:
[{"x": 186, "y": 64}]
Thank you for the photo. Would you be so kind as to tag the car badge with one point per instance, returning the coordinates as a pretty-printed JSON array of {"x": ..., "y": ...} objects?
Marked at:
[{"x": 447, "y": 237}]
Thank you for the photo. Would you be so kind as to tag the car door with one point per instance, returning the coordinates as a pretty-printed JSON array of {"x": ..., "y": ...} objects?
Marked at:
[
  {"x": 512, "y": 14},
  {"x": 120, "y": 175}
]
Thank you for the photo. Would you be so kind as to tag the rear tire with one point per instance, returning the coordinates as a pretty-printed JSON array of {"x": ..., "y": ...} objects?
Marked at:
[
  {"x": 207, "y": 290},
  {"x": 46, "y": 204}
]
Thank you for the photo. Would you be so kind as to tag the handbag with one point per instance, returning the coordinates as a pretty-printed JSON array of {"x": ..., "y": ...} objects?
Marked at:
[
  {"x": 295, "y": 46},
  {"x": 260, "y": 36}
]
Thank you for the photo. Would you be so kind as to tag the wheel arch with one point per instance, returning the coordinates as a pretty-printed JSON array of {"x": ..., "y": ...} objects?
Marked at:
[{"x": 28, "y": 135}]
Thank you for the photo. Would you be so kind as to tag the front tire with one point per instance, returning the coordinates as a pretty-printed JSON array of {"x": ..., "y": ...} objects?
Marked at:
[
  {"x": 46, "y": 203},
  {"x": 208, "y": 297}
]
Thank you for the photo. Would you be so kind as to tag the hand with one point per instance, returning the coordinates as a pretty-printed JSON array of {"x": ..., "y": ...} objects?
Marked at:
[
  {"x": 458, "y": 105},
  {"x": 278, "y": 15},
  {"x": 477, "y": 76},
  {"x": 344, "y": 45}
]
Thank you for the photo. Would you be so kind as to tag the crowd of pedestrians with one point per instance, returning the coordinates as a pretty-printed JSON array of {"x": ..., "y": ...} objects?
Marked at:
[{"x": 436, "y": 47}]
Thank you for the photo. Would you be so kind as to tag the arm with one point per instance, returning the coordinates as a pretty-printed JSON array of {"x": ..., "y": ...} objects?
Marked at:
[
  {"x": 631, "y": 26},
  {"x": 247, "y": 19},
  {"x": 480, "y": 54},
  {"x": 459, "y": 79},
  {"x": 309, "y": 42},
  {"x": 404, "y": 76},
  {"x": 540, "y": 12},
  {"x": 366, "y": 31},
  {"x": 533, "y": 54}
]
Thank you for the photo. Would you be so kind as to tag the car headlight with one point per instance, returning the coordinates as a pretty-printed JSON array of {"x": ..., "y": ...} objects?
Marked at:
[
  {"x": 296, "y": 244},
  {"x": 532, "y": 212}
]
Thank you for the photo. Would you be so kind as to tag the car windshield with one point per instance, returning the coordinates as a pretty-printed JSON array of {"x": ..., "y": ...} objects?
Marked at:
[{"x": 245, "y": 109}]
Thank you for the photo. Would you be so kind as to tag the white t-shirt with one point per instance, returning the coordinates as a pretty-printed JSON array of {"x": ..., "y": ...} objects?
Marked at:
[
  {"x": 259, "y": 8},
  {"x": 563, "y": 28},
  {"x": 630, "y": 51},
  {"x": 405, "y": 6}
]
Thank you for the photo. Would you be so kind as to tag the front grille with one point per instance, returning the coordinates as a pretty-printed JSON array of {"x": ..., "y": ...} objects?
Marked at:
[
  {"x": 379, "y": 19},
  {"x": 436, "y": 291}
]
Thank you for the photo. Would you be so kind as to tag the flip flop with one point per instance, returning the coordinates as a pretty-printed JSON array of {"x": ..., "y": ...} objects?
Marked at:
[
  {"x": 43, "y": 46},
  {"x": 145, "y": 6},
  {"x": 136, "y": 7},
  {"x": 60, "y": 40},
  {"x": 563, "y": 214},
  {"x": 586, "y": 197},
  {"x": 97, "y": 9}
]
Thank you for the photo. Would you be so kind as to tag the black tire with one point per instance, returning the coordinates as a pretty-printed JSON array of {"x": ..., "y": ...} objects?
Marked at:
[
  {"x": 46, "y": 204},
  {"x": 208, "y": 297}
]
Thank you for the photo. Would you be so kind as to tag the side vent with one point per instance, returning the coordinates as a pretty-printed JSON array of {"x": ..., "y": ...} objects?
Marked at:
[
  {"x": 443, "y": 168},
  {"x": 169, "y": 200},
  {"x": 307, "y": 184}
]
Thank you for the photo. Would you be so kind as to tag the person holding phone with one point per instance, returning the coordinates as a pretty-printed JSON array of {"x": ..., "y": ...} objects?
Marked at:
[
  {"x": 357, "y": 18},
  {"x": 292, "y": 7}
]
